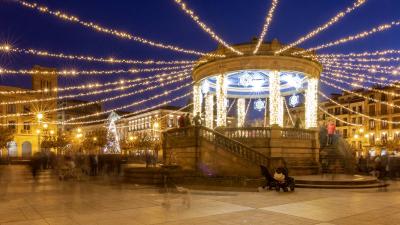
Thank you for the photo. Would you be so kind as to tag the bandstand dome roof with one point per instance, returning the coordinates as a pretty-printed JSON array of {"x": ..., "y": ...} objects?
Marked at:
[{"x": 247, "y": 75}]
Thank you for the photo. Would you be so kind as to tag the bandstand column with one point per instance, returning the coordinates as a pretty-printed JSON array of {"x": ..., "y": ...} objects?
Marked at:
[
  {"x": 209, "y": 111},
  {"x": 241, "y": 112},
  {"x": 311, "y": 103},
  {"x": 221, "y": 90},
  {"x": 275, "y": 99},
  {"x": 280, "y": 111},
  {"x": 197, "y": 99}
]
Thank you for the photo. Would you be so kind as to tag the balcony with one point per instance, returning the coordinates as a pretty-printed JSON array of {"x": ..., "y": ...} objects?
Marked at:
[{"x": 26, "y": 131}]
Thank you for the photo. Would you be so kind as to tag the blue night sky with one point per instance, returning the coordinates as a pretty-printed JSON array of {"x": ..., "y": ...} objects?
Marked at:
[{"x": 236, "y": 21}]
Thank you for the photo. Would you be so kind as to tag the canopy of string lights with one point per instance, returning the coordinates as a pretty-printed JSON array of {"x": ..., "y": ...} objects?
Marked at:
[{"x": 274, "y": 75}]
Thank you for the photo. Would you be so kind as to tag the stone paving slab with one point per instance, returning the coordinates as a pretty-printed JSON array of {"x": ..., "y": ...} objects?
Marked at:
[{"x": 110, "y": 202}]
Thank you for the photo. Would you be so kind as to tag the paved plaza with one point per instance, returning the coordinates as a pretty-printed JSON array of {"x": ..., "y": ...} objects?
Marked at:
[{"x": 104, "y": 201}]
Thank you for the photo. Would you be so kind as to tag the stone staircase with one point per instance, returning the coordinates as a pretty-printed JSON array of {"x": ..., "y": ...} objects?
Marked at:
[{"x": 337, "y": 158}]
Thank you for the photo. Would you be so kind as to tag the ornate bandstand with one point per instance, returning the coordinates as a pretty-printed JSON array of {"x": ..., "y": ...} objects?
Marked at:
[{"x": 268, "y": 79}]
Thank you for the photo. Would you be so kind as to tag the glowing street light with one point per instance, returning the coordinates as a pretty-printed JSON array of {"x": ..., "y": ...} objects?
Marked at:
[{"x": 39, "y": 116}]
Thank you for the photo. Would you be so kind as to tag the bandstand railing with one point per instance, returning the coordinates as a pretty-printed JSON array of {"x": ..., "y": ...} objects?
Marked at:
[
  {"x": 294, "y": 133},
  {"x": 247, "y": 132}
]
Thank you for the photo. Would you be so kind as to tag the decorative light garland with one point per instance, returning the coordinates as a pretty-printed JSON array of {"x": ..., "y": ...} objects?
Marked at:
[
  {"x": 145, "y": 81},
  {"x": 325, "y": 26},
  {"x": 89, "y": 85},
  {"x": 353, "y": 111},
  {"x": 363, "y": 34},
  {"x": 361, "y": 67},
  {"x": 94, "y": 102},
  {"x": 103, "y": 120},
  {"x": 361, "y": 77},
  {"x": 209, "y": 108},
  {"x": 364, "y": 87},
  {"x": 267, "y": 23},
  {"x": 116, "y": 33},
  {"x": 197, "y": 99},
  {"x": 165, "y": 93},
  {"x": 204, "y": 27},
  {"x": 274, "y": 98},
  {"x": 241, "y": 111},
  {"x": 363, "y": 54},
  {"x": 358, "y": 77},
  {"x": 311, "y": 104},
  {"x": 381, "y": 59},
  {"x": 221, "y": 92},
  {"x": 359, "y": 95},
  {"x": 89, "y": 72},
  {"x": 111, "y": 60},
  {"x": 337, "y": 118}
]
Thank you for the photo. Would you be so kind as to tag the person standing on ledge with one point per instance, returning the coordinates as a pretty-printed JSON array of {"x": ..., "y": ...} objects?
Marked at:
[{"x": 331, "y": 131}]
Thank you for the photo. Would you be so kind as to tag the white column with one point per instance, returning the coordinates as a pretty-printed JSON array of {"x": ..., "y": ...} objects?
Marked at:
[
  {"x": 311, "y": 103},
  {"x": 221, "y": 90},
  {"x": 241, "y": 112},
  {"x": 274, "y": 98},
  {"x": 197, "y": 99},
  {"x": 209, "y": 108}
]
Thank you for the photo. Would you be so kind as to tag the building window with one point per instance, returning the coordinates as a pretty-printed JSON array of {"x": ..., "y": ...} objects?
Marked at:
[
  {"x": 396, "y": 135},
  {"x": 372, "y": 139},
  {"x": 11, "y": 109},
  {"x": 396, "y": 124},
  {"x": 12, "y": 125},
  {"x": 337, "y": 111},
  {"x": 27, "y": 126},
  {"x": 372, "y": 110},
  {"x": 397, "y": 107},
  {"x": 384, "y": 123},
  {"x": 354, "y": 120},
  {"x": 371, "y": 124},
  {"x": 344, "y": 133},
  {"x": 27, "y": 108},
  {"x": 360, "y": 109},
  {"x": 384, "y": 138},
  {"x": 360, "y": 120},
  {"x": 354, "y": 110},
  {"x": 383, "y": 109},
  {"x": 330, "y": 111}
]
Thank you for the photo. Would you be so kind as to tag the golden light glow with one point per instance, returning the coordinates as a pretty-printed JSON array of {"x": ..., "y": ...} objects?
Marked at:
[
  {"x": 92, "y": 72},
  {"x": 323, "y": 27},
  {"x": 360, "y": 35},
  {"x": 204, "y": 27},
  {"x": 45, "y": 53},
  {"x": 102, "y": 100},
  {"x": 267, "y": 23},
  {"x": 99, "y": 28}
]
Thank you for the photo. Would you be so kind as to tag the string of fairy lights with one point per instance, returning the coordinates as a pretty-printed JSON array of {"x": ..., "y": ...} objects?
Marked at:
[
  {"x": 323, "y": 27},
  {"x": 166, "y": 102},
  {"x": 337, "y": 118},
  {"x": 152, "y": 87},
  {"x": 360, "y": 35},
  {"x": 357, "y": 85},
  {"x": 267, "y": 23},
  {"x": 204, "y": 26},
  {"x": 358, "y": 94},
  {"x": 144, "y": 82},
  {"x": 359, "y": 78},
  {"x": 116, "y": 33},
  {"x": 91, "y": 85},
  {"x": 355, "y": 112},
  {"x": 391, "y": 70},
  {"x": 6, "y": 48},
  {"x": 165, "y": 93},
  {"x": 4, "y": 71},
  {"x": 363, "y": 54},
  {"x": 336, "y": 65}
]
